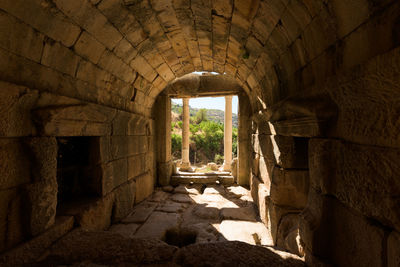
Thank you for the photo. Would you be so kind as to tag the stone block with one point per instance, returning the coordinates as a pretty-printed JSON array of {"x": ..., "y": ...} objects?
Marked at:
[
  {"x": 20, "y": 38},
  {"x": 91, "y": 19},
  {"x": 45, "y": 18},
  {"x": 42, "y": 199},
  {"x": 266, "y": 168},
  {"x": 255, "y": 164},
  {"x": 11, "y": 227},
  {"x": 120, "y": 171},
  {"x": 275, "y": 214},
  {"x": 314, "y": 224},
  {"x": 284, "y": 151},
  {"x": 34, "y": 248},
  {"x": 125, "y": 51},
  {"x": 362, "y": 177},
  {"x": 42, "y": 193},
  {"x": 58, "y": 57},
  {"x": 140, "y": 213},
  {"x": 325, "y": 218},
  {"x": 288, "y": 234},
  {"x": 263, "y": 202},
  {"x": 93, "y": 214},
  {"x": 137, "y": 125},
  {"x": 144, "y": 187},
  {"x": 164, "y": 172},
  {"x": 366, "y": 243},
  {"x": 89, "y": 48},
  {"x": 15, "y": 222},
  {"x": 102, "y": 153},
  {"x": 113, "y": 64},
  {"x": 16, "y": 103},
  {"x": 44, "y": 158},
  {"x": 14, "y": 164},
  {"x": 290, "y": 188},
  {"x": 136, "y": 165},
  {"x": 124, "y": 200},
  {"x": 120, "y": 123},
  {"x": 92, "y": 74},
  {"x": 157, "y": 225},
  {"x": 119, "y": 146},
  {"x": 393, "y": 249},
  {"x": 254, "y": 183},
  {"x": 140, "y": 64},
  {"x": 75, "y": 120},
  {"x": 126, "y": 230}
]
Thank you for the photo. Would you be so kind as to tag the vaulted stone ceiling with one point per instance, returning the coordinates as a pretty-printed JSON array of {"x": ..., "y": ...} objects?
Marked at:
[{"x": 108, "y": 51}]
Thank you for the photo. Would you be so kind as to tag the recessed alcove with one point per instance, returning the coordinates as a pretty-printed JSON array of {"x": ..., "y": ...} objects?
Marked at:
[{"x": 75, "y": 176}]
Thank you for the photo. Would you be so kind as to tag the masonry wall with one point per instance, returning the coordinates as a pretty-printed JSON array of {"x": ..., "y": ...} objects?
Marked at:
[
  {"x": 327, "y": 181},
  {"x": 67, "y": 71},
  {"x": 121, "y": 168}
]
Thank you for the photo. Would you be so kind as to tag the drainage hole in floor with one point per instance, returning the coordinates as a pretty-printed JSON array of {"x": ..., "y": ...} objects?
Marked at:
[{"x": 180, "y": 238}]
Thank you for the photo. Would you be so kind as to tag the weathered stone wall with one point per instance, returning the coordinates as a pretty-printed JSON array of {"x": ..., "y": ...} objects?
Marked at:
[
  {"x": 121, "y": 163},
  {"x": 352, "y": 161}
]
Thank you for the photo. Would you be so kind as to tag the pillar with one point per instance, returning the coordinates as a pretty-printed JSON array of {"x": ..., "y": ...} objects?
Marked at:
[
  {"x": 162, "y": 115},
  {"x": 185, "y": 165},
  {"x": 228, "y": 134},
  {"x": 244, "y": 140}
]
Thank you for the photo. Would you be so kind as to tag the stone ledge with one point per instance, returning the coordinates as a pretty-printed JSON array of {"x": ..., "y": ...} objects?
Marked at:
[{"x": 34, "y": 248}]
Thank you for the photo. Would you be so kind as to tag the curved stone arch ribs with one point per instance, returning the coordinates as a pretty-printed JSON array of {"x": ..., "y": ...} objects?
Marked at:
[
  {"x": 221, "y": 27},
  {"x": 151, "y": 61},
  {"x": 185, "y": 16},
  {"x": 149, "y": 22},
  {"x": 166, "y": 16}
]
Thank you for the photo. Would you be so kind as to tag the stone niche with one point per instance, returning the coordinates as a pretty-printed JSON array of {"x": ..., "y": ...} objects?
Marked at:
[{"x": 76, "y": 175}]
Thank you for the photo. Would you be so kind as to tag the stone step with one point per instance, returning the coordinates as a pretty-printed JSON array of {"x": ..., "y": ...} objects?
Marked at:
[
  {"x": 203, "y": 174},
  {"x": 202, "y": 179}
]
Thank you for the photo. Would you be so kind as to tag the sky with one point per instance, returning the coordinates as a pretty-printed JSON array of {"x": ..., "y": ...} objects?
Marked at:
[{"x": 210, "y": 103}]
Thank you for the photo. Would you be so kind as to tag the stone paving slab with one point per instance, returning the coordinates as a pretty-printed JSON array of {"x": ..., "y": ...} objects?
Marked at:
[
  {"x": 188, "y": 189},
  {"x": 213, "y": 212},
  {"x": 254, "y": 233},
  {"x": 241, "y": 214},
  {"x": 140, "y": 213},
  {"x": 172, "y": 207},
  {"x": 157, "y": 225},
  {"x": 182, "y": 198},
  {"x": 126, "y": 230}
]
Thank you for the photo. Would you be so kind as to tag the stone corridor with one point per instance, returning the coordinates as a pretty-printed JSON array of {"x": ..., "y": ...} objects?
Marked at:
[
  {"x": 197, "y": 218},
  {"x": 85, "y": 131}
]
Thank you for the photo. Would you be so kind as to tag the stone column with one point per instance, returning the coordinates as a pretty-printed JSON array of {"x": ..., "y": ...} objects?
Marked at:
[
  {"x": 244, "y": 140},
  {"x": 162, "y": 115},
  {"x": 228, "y": 134},
  {"x": 185, "y": 165}
]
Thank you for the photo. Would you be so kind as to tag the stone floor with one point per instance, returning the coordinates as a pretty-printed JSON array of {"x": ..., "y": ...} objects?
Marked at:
[
  {"x": 189, "y": 225},
  {"x": 196, "y": 214}
]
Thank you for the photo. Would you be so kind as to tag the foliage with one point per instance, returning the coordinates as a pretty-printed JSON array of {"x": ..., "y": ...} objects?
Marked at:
[
  {"x": 206, "y": 138},
  {"x": 215, "y": 115},
  {"x": 176, "y": 145},
  {"x": 210, "y": 139},
  {"x": 234, "y": 141},
  {"x": 219, "y": 159},
  {"x": 201, "y": 115}
]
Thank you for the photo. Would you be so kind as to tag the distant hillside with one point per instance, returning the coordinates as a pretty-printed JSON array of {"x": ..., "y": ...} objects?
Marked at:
[{"x": 215, "y": 115}]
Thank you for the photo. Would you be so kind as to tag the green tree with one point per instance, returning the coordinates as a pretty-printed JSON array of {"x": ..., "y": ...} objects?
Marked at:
[
  {"x": 201, "y": 115},
  {"x": 234, "y": 141},
  {"x": 176, "y": 145}
]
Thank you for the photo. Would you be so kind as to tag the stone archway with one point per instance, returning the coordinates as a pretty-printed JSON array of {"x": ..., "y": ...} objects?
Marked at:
[{"x": 193, "y": 85}]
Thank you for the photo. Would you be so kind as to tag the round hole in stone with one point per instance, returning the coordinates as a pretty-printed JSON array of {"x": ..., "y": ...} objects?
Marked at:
[{"x": 179, "y": 237}]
